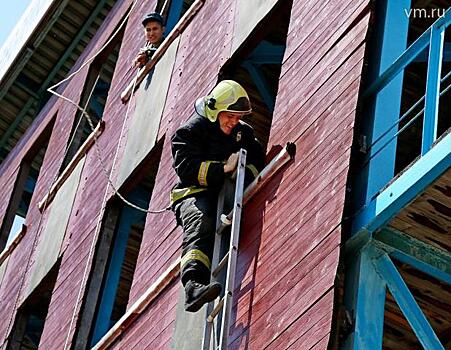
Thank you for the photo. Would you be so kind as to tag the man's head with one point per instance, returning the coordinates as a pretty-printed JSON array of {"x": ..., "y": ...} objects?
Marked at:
[
  {"x": 227, "y": 103},
  {"x": 153, "y": 28}
]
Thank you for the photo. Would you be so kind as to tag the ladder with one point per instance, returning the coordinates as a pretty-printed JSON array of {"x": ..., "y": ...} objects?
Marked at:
[{"x": 219, "y": 312}]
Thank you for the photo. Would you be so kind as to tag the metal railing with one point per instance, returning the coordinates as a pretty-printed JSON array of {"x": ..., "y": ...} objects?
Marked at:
[{"x": 434, "y": 39}]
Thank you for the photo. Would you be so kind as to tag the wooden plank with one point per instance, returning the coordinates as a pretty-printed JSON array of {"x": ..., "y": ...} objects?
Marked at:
[
  {"x": 3, "y": 267},
  {"x": 318, "y": 331},
  {"x": 292, "y": 208},
  {"x": 304, "y": 324},
  {"x": 147, "y": 326},
  {"x": 51, "y": 238},
  {"x": 318, "y": 42},
  {"x": 307, "y": 101},
  {"x": 7, "y": 184},
  {"x": 150, "y": 101},
  {"x": 290, "y": 306},
  {"x": 267, "y": 291},
  {"x": 248, "y": 14},
  {"x": 189, "y": 327}
]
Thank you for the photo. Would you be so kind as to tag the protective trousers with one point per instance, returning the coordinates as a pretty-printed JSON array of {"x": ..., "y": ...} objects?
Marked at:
[{"x": 197, "y": 216}]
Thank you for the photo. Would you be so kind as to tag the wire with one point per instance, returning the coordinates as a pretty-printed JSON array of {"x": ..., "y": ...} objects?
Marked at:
[
  {"x": 41, "y": 217},
  {"x": 411, "y": 109}
]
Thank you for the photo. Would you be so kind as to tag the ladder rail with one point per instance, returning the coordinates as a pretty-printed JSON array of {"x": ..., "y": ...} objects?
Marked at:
[
  {"x": 233, "y": 250},
  {"x": 215, "y": 260},
  {"x": 229, "y": 259}
]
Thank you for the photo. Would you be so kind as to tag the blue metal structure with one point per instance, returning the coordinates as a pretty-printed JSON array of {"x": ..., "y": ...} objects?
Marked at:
[
  {"x": 264, "y": 53},
  {"x": 372, "y": 246},
  {"x": 174, "y": 14},
  {"x": 434, "y": 160}
]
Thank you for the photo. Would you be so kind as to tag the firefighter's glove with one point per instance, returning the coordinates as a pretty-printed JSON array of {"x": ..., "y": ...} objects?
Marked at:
[{"x": 231, "y": 163}]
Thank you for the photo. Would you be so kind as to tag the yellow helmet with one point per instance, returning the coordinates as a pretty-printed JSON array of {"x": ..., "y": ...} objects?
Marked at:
[{"x": 228, "y": 96}]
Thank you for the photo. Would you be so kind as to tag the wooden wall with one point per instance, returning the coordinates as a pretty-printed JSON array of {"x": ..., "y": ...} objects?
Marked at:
[{"x": 291, "y": 238}]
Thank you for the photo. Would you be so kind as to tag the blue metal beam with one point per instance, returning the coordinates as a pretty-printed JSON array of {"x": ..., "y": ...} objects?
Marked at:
[
  {"x": 385, "y": 108},
  {"x": 430, "y": 120},
  {"x": 423, "y": 57},
  {"x": 174, "y": 14},
  {"x": 405, "y": 188},
  {"x": 424, "y": 257},
  {"x": 406, "y": 302},
  {"x": 366, "y": 298}
]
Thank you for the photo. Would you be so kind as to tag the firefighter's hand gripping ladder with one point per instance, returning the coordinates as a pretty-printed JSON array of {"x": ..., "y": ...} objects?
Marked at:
[{"x": 220, "y": 312}]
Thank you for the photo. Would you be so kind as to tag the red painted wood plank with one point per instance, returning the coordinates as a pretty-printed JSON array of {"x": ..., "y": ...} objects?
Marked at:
[
  {"x": 301, "y": 327},
  {"x": 265, "y": 293},
  {"x": 304, "y": 111},
  {"x": 328, "y": 29},
  {"x": 289, "y": 307},
  {"x": 320, "y": 331}
]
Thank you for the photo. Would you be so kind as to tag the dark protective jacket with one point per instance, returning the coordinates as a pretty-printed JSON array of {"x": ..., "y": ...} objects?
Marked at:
[{"x": 200, "y": 149}]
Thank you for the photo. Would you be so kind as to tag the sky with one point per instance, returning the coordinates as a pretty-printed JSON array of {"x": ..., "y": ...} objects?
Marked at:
[{"x": 12, "y": 10}]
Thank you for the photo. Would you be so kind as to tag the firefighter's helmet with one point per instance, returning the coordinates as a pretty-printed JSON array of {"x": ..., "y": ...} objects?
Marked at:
[{"x": 228, "y": 96}]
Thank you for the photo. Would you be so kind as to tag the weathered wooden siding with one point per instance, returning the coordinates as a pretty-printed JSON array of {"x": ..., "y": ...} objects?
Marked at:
[
  {"x": 291, "y": 231},
  {"x": 290, "y": 254}
]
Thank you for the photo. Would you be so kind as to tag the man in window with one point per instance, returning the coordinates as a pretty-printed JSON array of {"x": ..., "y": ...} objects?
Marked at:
[
  {"x": 205, "y": 152},
  {"x": 153, "y": 30}
]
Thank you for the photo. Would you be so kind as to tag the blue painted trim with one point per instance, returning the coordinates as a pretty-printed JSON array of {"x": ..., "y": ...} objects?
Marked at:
[
  {"x": 174, "y": 14},
  {"x": 262, "y": 85},
  {"x": 128, "y": 217},
  {"x": 432, "y": 89},
  {"x": 366, "y": 292},
  {"x": 407, "y": 303},
  {"x": 405, "y": 188}
]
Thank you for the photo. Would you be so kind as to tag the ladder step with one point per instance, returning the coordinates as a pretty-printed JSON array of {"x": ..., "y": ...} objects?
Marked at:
[
  {"x": 221, "y": 265},
  {"x": 216, "y": 310}
]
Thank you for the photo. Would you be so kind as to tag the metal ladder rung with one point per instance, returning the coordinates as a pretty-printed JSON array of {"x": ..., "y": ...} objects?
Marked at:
[
  {"x": 221, "y": 265},
  {"x": 216, "y": 310}
]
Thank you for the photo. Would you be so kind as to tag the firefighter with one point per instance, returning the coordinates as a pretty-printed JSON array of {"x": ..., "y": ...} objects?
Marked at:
[
  {"x": 153, "y": 30},
  {"x": 205, "y": 152}
]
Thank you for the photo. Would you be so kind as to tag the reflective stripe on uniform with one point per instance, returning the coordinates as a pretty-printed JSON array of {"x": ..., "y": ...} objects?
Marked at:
[
  {"x": 203, "y": 171},
  {"x": 195, "y": 254},
  {"x": 253, "y": 169},
  {"x": 179, "y": 193}
]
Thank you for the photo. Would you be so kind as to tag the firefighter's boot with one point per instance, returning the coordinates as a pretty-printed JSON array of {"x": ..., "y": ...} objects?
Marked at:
[{"x": 197, "y": 294}]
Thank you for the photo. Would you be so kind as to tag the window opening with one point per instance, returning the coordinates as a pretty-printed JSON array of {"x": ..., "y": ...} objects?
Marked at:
[
  {"x": 24, "y": 188},
  {"x": 117, "y": 254},
  {"x": 172, "y": 11},
  {"x": 94, "y": 95},
  {"x": 29, "y": 323},
  {"x": 257, "y": 66}
]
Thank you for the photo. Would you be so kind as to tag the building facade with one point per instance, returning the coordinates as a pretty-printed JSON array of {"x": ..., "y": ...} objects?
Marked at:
[{"x": 347, "y": 246}]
